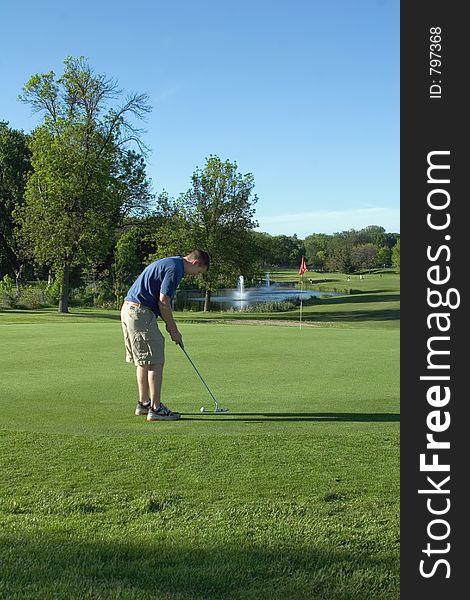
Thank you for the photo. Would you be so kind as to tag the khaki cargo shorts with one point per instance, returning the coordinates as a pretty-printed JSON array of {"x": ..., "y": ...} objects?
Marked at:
[{"x": 145, "y": 344}]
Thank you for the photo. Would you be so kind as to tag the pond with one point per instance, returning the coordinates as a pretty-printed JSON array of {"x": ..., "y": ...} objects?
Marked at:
[{"x": 241, "y": 297}]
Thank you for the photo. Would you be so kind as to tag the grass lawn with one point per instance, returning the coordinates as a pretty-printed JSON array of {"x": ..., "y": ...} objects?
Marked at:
[{"x": 293, "y": 494}]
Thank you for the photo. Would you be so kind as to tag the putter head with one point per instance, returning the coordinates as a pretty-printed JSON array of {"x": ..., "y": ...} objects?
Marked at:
[{"x": 217, "y": 410}]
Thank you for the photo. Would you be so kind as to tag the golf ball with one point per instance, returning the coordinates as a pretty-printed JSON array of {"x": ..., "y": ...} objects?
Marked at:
[{"x": 202, "y": 409}]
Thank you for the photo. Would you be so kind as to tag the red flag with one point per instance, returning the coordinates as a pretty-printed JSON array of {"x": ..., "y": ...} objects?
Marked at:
[{"x": 303, "y": 267}]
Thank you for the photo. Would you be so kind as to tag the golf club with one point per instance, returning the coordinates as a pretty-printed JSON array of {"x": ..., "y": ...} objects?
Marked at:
[{"x": 217, "y": 409}]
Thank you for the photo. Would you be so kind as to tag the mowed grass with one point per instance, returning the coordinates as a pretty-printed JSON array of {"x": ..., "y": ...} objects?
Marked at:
[{"x": 293, "y": 494}]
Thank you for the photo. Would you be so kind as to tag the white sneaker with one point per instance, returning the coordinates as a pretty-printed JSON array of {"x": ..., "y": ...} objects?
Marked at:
[
  {"x": 162, "y": 413},
  {"x": 142, "y": 409}
]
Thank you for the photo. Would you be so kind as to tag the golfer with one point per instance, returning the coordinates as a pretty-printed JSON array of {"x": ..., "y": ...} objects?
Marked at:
[{"x": 148, "y": 298}]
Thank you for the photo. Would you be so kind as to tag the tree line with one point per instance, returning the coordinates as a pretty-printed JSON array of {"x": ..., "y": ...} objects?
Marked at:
[{"x": 78, "y": 213}]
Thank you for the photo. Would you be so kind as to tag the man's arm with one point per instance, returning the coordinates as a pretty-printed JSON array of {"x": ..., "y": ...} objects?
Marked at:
[{"x": 164, "y": 305}]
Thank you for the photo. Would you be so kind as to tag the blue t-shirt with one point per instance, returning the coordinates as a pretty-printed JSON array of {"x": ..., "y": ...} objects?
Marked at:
[{"x": 160, "y": 277}]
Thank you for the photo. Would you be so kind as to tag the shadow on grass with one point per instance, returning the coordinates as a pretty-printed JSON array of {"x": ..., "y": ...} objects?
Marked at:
[
  {"x": 26, "y": 311},
  {"x": 298, "y": 417},
  {"x": 90, "y": 315},
  {"x": 71, "y": 314},
  {"x": 49, "y": 567},
  {"x": 353, "y": 316},
  {"x": 361, "y": 297}
]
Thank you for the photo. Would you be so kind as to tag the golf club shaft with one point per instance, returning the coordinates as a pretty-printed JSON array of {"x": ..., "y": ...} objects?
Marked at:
[{"x": 200, "y": 376}]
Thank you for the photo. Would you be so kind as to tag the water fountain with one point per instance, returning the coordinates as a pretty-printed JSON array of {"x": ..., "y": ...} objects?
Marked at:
[
  {"x": 241, "y": 287},
  {"x": 241, "y": 297}
]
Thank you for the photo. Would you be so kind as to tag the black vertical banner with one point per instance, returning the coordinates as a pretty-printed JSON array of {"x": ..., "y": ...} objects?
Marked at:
[{"x": 435, "y": 238}]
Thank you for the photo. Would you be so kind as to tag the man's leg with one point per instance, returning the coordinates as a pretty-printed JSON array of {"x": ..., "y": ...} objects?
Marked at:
[
  {"x": 142, "y": 383},
  {"x": 154, "y": 378},
  {"x": 149, "y": 382},
  {"x": 157, "y": 411}
]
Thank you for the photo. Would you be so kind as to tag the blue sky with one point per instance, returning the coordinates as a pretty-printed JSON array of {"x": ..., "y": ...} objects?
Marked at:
[{"x": 304, "y": 94}]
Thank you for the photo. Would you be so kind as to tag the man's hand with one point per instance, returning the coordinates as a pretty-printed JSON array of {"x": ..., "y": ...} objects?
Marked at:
[
  {"x": 166, "y": 313},
  {"x": 175, "y": 335}
]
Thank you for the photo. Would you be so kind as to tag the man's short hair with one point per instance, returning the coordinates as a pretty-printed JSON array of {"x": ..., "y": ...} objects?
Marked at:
[{"x": 202, "y": 256}]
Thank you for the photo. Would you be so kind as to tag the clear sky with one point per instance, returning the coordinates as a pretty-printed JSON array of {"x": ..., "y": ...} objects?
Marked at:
[{"x": 304, "y": 94}]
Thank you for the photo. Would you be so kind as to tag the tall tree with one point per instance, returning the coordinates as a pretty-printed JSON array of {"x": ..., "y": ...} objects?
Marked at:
[
  {"x": 133, "y": 185},
  {"x": 288, "y": 250},
  {"x": 396, "y": 256},
  {"x": 316, "y": 250},
  {"x": 384, "y": 256},
  {"x": 85, "y": 175},
  {"x": 364, "y": 256},
  {"x": 264, "y": 243},
  {"x": 14, "y": 166},
  {"x": 375, "y": 235},
  {"x": 219, "y": 208}
]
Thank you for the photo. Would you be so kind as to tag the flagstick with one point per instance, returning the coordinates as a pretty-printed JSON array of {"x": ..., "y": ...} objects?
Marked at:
[{"x": 303, "y": 268}]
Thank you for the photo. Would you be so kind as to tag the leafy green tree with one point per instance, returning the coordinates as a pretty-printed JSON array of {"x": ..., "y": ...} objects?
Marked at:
[
  {"x": 126, "y": 262},
  {"x": 340, "y": 259},
  {"x": 374, "y": 234},
  {"x": 218, "y": 208},
  {"x": 287, "y": 250},
  {"x": 396, "y": 256},
  {"x": 384, "y": 256},
  {"x": 14, "y": 167},
  {"x": 171, "y": 230},
  {"x": 390, "y": 239},
  {"x": 132, "y": 185},
  {"x": 85, "y": 175},
  {"x": 316, "y": 246},
  {"x": 319, "y": 261},
  {"x": 265, "y": 244},
  {"x": 364, "y": 256},
  {"x": 339, "y": 251}
]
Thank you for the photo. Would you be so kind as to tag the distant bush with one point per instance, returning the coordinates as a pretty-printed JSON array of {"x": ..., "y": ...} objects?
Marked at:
[
  {"x": 82, "y": 296},
  {"x": 53, "y": 290},
  {"x": 98, "y": 294},
  {"x": 32, "y": 297},
  {"x": 7, "y": 292},
  {"x": 265, "y": 307},
  {"x": 36, "y": 294}
]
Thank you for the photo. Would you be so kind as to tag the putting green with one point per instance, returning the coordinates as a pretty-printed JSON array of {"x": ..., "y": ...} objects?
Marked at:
[{"x": 78, "y": 369}]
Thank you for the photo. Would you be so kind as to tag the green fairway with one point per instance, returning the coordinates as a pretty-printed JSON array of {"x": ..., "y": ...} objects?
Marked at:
[{"x": 293, "y": 494}]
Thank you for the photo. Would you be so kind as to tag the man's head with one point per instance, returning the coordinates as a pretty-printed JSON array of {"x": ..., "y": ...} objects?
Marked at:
[{"x": 197, "y": 261}]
